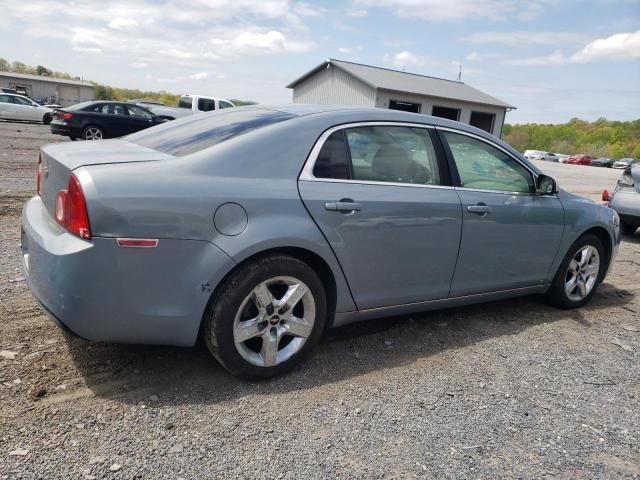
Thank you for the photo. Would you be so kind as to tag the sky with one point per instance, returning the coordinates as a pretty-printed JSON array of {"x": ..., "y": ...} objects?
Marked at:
[{"x": 552, "y": 59}]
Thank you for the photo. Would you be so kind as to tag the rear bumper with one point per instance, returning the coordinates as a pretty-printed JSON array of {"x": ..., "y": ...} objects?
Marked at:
[
  {"x": 130, "y": 295},
  {"x": 60, "y": 128}
]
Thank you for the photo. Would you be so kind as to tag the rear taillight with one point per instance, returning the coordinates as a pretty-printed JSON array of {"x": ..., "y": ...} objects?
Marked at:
[
  {"x": 605, "y": 196},
  {"x": 39, "y": 177},
  {"x": 71, "y": 209},
  {"x": 63, "y": 115}
]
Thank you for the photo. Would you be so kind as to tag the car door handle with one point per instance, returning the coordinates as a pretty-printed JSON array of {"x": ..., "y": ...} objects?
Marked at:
[
  {"x": 343, "y": 206},
  {"x": 479, "y": 209}
]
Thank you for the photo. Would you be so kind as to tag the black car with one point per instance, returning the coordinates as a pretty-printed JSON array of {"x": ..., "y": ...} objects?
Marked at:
[
  {"x": 101, "y": 119},
  {"x": 602, "y": 162}
]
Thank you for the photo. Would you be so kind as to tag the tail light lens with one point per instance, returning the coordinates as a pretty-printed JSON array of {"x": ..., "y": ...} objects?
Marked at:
[
  {"x": 63, "y": 115},
  {"x": 39, "y": 177},
  {"x": 605, "y": 196},
  {"x": 71, "y": 209}
]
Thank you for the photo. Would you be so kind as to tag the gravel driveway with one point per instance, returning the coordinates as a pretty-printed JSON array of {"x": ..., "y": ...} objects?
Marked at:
[{"x": 512, "y": 389}]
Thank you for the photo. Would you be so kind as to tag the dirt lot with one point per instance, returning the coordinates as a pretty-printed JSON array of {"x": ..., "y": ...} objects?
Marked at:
[{"x": 513, "y": 389}]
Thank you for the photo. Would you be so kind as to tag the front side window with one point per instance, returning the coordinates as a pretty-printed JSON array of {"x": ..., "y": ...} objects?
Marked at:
[
  {"x": 224, "y": 104},
  {"x": 138, "y": 112},
  {"x": 185, "y": 102},
  {"x": 22, "y": 101},
  {"x": 484, "y": 167},
  {"x": 206, "y": 105}
]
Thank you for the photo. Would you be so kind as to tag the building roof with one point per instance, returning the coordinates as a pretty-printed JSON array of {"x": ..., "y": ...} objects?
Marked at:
[
  {"x": 42, "y": 78},
  {"x": 388, "y": 79}
]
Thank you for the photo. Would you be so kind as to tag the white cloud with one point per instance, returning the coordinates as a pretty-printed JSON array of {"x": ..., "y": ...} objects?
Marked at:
[
  {"x": 349, "y": 50},
  {"x": 138, "y": 65},
  {"x": 199, "y": 76},
  {"x": 122, "y": 23},
  {"x": 245, "y": 42},
  {"x": 86, "y": 41},
  {"x": 525, "y": 39},
  {"x": 447, "y": 10},
  {"x": 616, "y": 47},
  {"x": 305, "y": 9},
  {"x": 405, "y": 59},
  {"x": 620, "y": 46}
]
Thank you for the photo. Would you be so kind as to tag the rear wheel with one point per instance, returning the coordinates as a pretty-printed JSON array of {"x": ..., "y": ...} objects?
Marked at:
[
  {"x": 627, "y": 228},
  {"x": 92, "y": 133},
  {"x": 579, "y": 274},
  {"x": 46, "y": 119},
  {"x": 266, "y": 317}
]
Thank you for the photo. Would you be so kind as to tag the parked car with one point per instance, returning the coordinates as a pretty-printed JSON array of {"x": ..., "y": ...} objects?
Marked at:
[
  {"x": 17, "y": 107},
  {"x": 602, "y": 162},
  {"x": 562, "y": 158},
  {"x": 579, "y": 160},
  {"x": 8, "y": 90},
  {"x": 188, "y": 105},
  {"x": 258, "y": 227},
  {"x": 625, "y": 200},
  {"x": 534, "y": 154},
  {"x": 624, "y": 163},
  {"x": 550, "y": 157},
  {"x": 96, "y": 120}
]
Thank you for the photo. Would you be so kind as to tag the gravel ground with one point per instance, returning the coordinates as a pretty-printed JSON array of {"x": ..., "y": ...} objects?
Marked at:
[{"x": 512, "y": 389}]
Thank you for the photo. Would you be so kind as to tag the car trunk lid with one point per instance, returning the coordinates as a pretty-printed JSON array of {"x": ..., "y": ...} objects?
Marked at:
[{"x": 60, "y": 159}]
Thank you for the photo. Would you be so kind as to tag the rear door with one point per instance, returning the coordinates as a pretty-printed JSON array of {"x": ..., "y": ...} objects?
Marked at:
[
  {"x": 381, "y": 195},
  {"x": 510, "y": 234},
  {"x": 24, "y": 109}
]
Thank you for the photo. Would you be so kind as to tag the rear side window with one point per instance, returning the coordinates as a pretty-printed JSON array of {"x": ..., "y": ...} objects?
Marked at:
[
  {"x": 333, "y": 159},
  {"x": 206, "y": 105},
  {"x": 195, "y": 133}
]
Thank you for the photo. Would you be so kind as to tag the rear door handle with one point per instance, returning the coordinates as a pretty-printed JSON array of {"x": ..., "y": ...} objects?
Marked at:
[
  {"x": 479, "y": 209},
  {"x": 343, "y": 206}
]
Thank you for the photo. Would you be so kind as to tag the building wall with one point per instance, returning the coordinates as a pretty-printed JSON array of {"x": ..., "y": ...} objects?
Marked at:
[
  {"x": 427, "y": 103},
  {"x": 50, "y": 91},
  {"x": 333, "y": 86}
]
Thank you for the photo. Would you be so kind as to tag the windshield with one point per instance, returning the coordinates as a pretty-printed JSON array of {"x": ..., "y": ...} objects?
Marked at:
[{"x": 192, "y": 134}]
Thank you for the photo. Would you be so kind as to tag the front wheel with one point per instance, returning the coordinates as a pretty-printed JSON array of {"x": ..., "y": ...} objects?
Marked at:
[
  {"x": 579, "y": 274},
  {"x": 266, "y": 317},
  {"x": 46, "y": 119}
]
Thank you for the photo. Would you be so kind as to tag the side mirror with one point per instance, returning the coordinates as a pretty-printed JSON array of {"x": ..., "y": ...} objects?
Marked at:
[{"x": 546, "y": 185}]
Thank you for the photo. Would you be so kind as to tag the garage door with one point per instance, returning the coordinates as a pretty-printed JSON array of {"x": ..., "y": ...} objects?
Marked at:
[{"x": 68, "y": 95}]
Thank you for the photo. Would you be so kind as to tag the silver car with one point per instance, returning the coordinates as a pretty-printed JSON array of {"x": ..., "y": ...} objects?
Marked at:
[
  {"x": 17, "y": 107},
  {"x": 626, "y": 200},
  {"x": 259, "y": 227}
]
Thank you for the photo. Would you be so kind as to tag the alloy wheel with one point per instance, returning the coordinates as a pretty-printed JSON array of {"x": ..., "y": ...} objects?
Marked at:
[
  {"x": 93, "y": 133},
  {"x": 582, "y": 273},
  {"x": 274, "y": 321}
]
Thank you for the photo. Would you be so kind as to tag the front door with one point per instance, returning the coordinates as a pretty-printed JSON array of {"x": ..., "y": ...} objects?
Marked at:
[
  {"x": 510, "y": 234},
  {"x": 381, "y": 198}
]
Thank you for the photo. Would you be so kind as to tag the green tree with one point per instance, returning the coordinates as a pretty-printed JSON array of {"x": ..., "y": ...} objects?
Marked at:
[
  {"x": 43, "y": 71},
  {"x": 18, "y": 67},
  {"x": 636, "y": 152},
  {"x": 5, "y": 66}
]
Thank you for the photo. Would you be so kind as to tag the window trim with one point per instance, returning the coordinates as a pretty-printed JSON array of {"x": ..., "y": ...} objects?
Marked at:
[
  {"x": 306, "y": 173},
  {"x": 454, "y": 169}
]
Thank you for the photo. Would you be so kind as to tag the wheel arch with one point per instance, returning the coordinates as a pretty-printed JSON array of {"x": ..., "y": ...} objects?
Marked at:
[
  {"x": 314, "y": 260},
  {"x": 607, "y": 242}
]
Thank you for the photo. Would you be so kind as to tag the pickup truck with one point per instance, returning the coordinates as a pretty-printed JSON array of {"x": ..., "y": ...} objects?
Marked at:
[{"x": 188, "y": 105}]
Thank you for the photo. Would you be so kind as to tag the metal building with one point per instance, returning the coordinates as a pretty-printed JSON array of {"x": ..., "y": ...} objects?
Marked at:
[
  {"x": 47, "y": 89},
  {"x": 346, "y": 83}
]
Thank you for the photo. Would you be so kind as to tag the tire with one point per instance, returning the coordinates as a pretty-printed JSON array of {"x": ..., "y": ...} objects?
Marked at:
[
  {"x": 46, "y": 119},
  {"x": 92, "y": 132},
  {"x": 237, "y": 303},
  {"x": 627, "y": 228},
  {"x": 557, "y": 294}
]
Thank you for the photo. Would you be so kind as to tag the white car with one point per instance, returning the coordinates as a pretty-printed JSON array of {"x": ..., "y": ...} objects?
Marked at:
[
  {"x": 534, "y": 154},
  {"x": 188, "y": 105},
  {"x": 17, "y": 107}
]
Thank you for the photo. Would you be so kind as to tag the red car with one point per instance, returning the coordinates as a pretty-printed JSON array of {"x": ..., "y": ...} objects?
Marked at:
[{"x": 579, "y": 160}]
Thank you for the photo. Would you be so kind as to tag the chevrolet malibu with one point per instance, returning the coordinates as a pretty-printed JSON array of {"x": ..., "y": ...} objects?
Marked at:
[{"x": 257, "y": 228}]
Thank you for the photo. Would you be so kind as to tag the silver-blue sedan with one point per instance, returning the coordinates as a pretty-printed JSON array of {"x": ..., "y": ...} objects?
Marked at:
[{"x": 259, "y": 227}]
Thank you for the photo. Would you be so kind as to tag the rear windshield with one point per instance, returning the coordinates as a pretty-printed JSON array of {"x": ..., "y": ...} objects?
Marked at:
[
  {"x": 80, "y": 106},
  {"x": 192, "y": 134}
]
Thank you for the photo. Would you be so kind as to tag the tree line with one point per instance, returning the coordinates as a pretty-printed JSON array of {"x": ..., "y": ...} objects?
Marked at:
[
  {"x": 101, "y": 92},
  {"x": 602, "y": 138}
]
